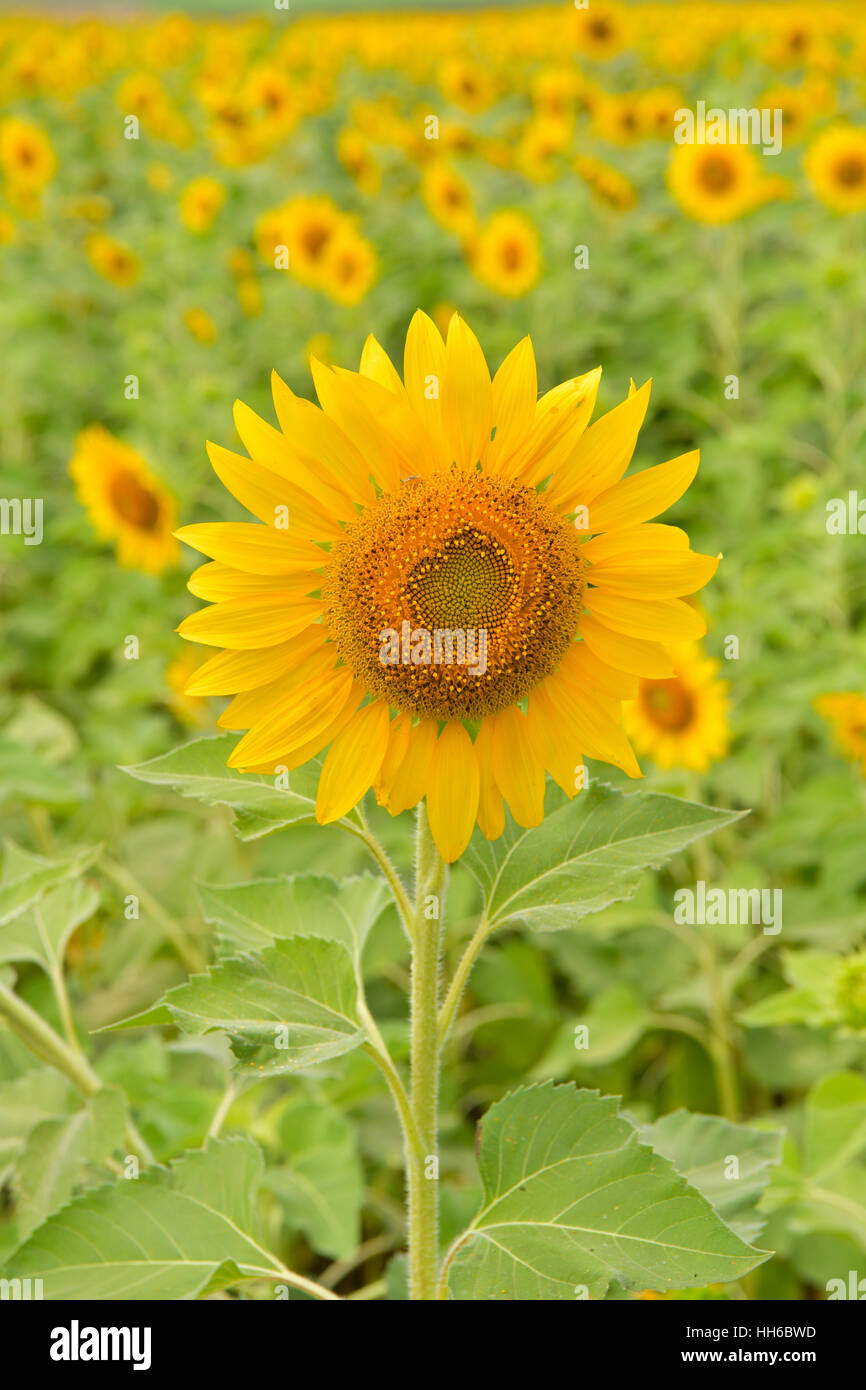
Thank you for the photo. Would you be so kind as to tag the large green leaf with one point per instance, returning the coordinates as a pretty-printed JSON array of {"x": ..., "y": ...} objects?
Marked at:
[
  {"x": 291, "y": 1006},
  {"x": 251, "y": 916},
  {"x": 24, "y": 1102},
  {"x": 701, "y": 1147},
  {"x": 572, "y": 1201},
  {"x": 584, "y": 856},
  {"x": 25, "y": 877},
  {"x": 56, "y": 1150},
  {"x": 321, "y": 1184},
  {"x": 167, "y": 1235},
  {"x": 41, "y": 932},
  {"x": 199, "y": 770}
]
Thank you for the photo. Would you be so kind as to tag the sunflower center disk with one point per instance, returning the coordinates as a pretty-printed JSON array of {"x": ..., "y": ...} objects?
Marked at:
[{"x": 453, "y": 598}]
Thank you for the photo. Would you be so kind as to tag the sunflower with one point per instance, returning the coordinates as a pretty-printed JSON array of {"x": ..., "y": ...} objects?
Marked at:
[
  {"x": 467, "y": 84},
  {"x": 714, "y": 183},
  {"x": 124, "y": 501},
  {"x": 681, "y": 721},
  {"x": 200, "y": 203},
  {"x": 600, "y": 31},
  {"x": 446, "y": 506},
  {"x": 348, "y": 268},
  {"x": 200, "y": 325},
  {"x": 845, "y": 712},
  {"x": 448, "y": 198},
  {"x": 26, "y": 154},
  {"x": 610, "y": 186},
  {"x": 357, "y": 158},
  {"x": 835, "y": 165},
  {"x": 505, "y": 254},
  {"x": 305, "y": 226},
  {"x": 113, "y": 260}
]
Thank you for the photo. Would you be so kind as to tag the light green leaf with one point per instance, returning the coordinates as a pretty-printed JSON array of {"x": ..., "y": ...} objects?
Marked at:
[
  {"x": 615, "y": 1020},
  {"x": 835, "y": 1131},
  {"x": 814, "y": 977},
  {"x": 25, "y": 877},
  {"x": 586, "y": 855},
  {"x": 165, "y": 1235},
  {"x": 700, "y": 1147},
  {"x": 42, "y": 931},
  {"x": 26, "y": 776},
  {"x": 573, "y": 1200},
  {"x": 321, "y": 1185},
  {"x": 24, "y": 1101},
  {"x": 56, "y": 1150},
  {"x": 199, "y": 770},
  {"x": 252, "y": 916},
  {"x": 292, "y": 1006}
]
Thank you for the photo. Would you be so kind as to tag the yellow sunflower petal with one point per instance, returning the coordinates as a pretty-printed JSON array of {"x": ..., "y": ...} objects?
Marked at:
[
  {"x": 561, "y": 417},
  {"x": 453, "y": 788},
  {"x": 517, "y": 766},
  {"x": 260, "y": 620},
  {"x": 352, "y": 762},
  {"x": 656, "y": 620},
  {"x": 271, "y": 497},
  {"x": 632, "y": 654},
  {"x": 321, "y": 449},
  {"x": 556, "y": 739},
  {"x": 245, "y": 546},
  {"x": 398, "y": 745},
  {"x": 230, "y": 672},
  {"x": 250, "y": 707},
  {"x": 515, "y": 393},
  {"x": 491, "y": 807},
  {"x": 602, "y": 455},
  {"x": 314, "y": 708},
  {"x": 377, "y": 365},
  {"x": 410, "y": 780},
  {"x": 215, "y": 581},
  {"x": 467, "y": 400},
  {"x": 645, "y": 494},
  {"x": 668, "y": 574},
  {"x": 424, "y": 373}
]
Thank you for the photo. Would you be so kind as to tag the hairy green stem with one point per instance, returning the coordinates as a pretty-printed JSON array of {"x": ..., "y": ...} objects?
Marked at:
[{"x": 422, "y": 1175}]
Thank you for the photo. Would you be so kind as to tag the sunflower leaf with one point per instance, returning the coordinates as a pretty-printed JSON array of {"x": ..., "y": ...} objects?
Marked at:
[
  {"x": 284, "y": 1010},
  {"x": 166, "y": 1235},
  {"x": 702, "y": 1147},
  {"x": 584, "y": 856},
  {"x": 199, "y": 770},
  {"x": 251, "y": 916},
  {"x": 572, "y": 1200}
]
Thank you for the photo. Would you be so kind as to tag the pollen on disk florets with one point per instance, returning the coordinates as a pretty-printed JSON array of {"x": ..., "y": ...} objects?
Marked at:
[{"x": 462, "y": 553}]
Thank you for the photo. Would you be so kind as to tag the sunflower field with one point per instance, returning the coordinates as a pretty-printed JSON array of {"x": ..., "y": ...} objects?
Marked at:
[{"x": 433, "y": 613}]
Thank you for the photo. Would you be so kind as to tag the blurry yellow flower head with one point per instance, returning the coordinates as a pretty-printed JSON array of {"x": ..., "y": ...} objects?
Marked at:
[
  {"x": 467, "y": 84},
  {"x": 113, "y": 260},
  {"x": 26, "y": 154},
  {"x": 835, "y": 165},
  {"x": 453, "y": 511},
  {"x": 448, "y": 198},
  {"x": 845, "y": 712},
  {"x": 506, "y": 255},
  {"x": 200, "y": 203},
  {"x": 600, "y": 30},
  {"x": 715, "y": 183},
  {"x": 124, "y": 501},
  {"x": 200, "y": 325},
  {"x": 682, "y": 721}
]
